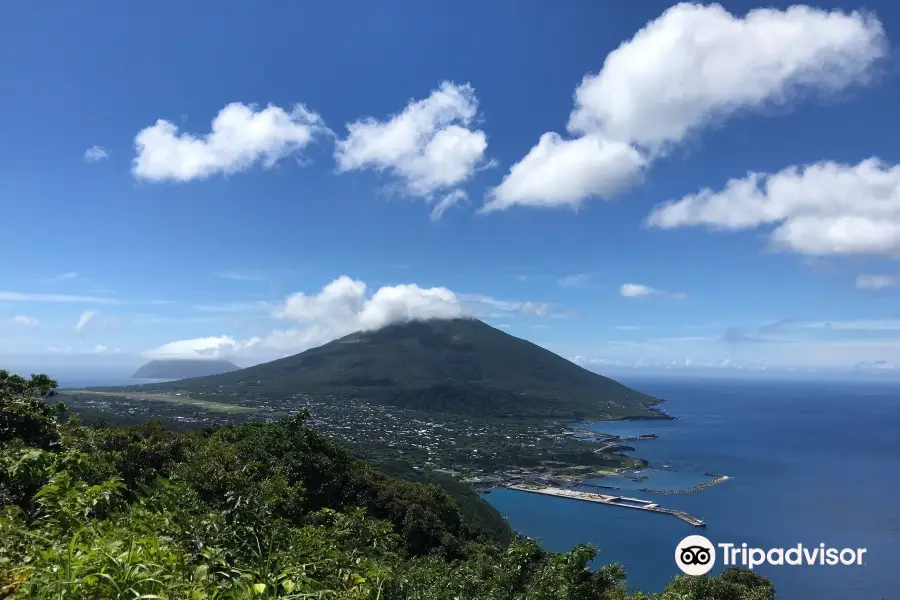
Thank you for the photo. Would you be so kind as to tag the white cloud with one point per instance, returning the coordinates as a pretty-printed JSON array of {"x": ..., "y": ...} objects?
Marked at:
[
  {"x": 68, "y": 298},
  {"x": 430, "y": 146},
  {"x": 697, "y": 64},
  {"x": 24, "y": 320},
  {"x": 577, "y": 280},
  {"x": 559, "y": 172},
  {"x": 635, "y": 290},
  {"x": 820, "y": 209},
  {"x": 448, "y": 201},
  {"x": 289, "y": 341},
  {"x": 639, "y": 290},
  {"x": 223, "y": 346},
  {"x": 877, "y": 282},
  {"x": 342, "y": 307},
  {"x": 478, "y": 304},
  {"x": 241, "y": 137},
  {"x": 693, "y": 67},
  {"x": 84, "y": 319},
  {"x": 95, "y": 154}
]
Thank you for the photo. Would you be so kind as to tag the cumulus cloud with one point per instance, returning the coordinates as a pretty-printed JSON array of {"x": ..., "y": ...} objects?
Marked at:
[
  {"x": 692, "y": 67},
  {"x": 877, "y": 282},
  {"x": 635, "y": 290},
  {"x": 697, "y": 64},
  {"x": 826, "y": 208},
  {"x": 208, "y": 347},
  {"x": 241, "y": 137},
  {"x": 24, "y": 320},
  {"x": 430, "y": 146},
  {"x": 95, "y": 154},
  {"x": 340, "y": 308},
  {"x": 561, "y": 172},
  {"x": 84, "y": 319},
  {"x": 639, "y": 290},
  {"x": 344, "y": 306}
]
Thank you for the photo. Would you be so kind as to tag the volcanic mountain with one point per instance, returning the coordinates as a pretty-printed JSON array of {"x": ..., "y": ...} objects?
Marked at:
[{"x": 456, "y": 366}]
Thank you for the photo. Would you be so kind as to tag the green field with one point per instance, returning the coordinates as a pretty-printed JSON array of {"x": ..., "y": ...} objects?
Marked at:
[{"x": 183, "y": 400}]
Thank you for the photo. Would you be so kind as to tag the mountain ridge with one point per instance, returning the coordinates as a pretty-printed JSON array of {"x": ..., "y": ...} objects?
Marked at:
[{"x": 452, "y": 366}]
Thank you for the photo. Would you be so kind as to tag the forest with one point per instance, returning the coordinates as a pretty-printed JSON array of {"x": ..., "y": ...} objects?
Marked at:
[{"x": 272, "y": 510}]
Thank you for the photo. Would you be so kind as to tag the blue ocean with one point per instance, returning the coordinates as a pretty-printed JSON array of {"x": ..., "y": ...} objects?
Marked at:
[{"x": 811, "y": 463}]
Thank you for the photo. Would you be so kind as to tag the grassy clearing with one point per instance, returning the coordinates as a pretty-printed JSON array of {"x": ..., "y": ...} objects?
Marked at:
[{"x": 183, "y": 400}]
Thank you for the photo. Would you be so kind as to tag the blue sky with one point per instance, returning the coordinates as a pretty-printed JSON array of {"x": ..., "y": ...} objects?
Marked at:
[{"x": 194, "y": 179}]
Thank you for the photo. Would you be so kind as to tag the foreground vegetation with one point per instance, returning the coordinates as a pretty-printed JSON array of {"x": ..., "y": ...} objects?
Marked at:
[{"x": 256, "y": 511}]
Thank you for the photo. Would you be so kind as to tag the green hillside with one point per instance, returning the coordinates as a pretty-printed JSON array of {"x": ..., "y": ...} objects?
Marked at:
[
  {"x": 459, "y": 366},
  {"x": 258, "y": 511}
]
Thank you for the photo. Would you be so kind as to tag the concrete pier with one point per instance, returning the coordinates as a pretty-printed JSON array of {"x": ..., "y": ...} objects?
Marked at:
[{"x": 635, "y": 503}]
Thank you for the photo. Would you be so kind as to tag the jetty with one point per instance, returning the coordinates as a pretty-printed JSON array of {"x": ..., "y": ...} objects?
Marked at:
[
  {"x": 609, "y": 500},
  {"x": 697, "y": 488}
]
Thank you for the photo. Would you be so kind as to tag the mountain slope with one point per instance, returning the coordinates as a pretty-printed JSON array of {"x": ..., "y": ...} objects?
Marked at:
[
  {"x": 183, "y": 368},
  {"x": 459, "y": 366}
]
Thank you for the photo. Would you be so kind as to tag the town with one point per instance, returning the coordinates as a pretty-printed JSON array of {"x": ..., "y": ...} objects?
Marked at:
[{"x": 483, "y": 452}]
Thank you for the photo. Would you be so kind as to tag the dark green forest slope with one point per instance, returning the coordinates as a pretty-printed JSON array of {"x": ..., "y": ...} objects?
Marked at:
[
  {"x": 458, "y": 366},
  {"x": 256, "y": 511}
]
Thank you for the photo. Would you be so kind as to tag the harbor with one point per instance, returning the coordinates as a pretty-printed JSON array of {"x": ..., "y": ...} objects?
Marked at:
[{"x": 610, "y": 500}]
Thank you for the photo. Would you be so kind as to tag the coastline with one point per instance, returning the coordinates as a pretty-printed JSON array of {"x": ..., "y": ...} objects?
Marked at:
[{"x": 613, "y": 443}]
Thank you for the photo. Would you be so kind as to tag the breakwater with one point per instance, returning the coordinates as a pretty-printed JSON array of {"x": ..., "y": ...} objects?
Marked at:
[
  {"x": 697, "y": 488},
  {"x": 623, "y": 501}
]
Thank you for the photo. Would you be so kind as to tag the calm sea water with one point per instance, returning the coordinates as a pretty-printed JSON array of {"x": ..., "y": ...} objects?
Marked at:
[{"x": 812, "y": 463}]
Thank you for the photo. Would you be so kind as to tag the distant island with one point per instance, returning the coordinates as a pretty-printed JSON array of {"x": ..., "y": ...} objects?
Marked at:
[{"x": 183, "y": 368}]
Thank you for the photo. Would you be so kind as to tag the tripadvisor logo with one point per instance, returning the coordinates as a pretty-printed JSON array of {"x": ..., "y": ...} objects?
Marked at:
[{"x": 696, "y": 555}]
